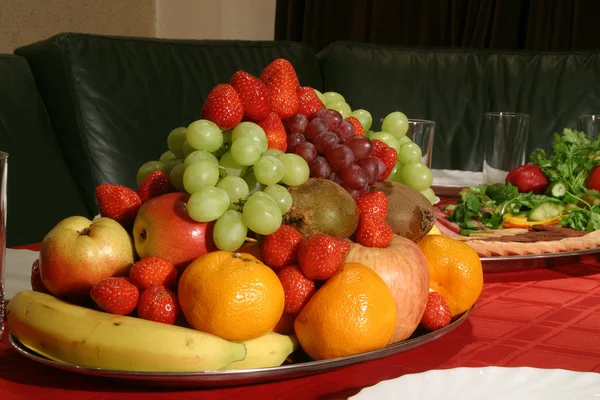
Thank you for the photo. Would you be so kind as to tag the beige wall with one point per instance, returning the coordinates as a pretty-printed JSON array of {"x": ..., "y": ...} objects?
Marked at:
[{"x": 26, "y": 21}]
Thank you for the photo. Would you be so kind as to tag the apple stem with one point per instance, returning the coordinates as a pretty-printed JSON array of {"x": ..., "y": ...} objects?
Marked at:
[
  {"x": 85, "y": 232},
  {"x": 251, "y": 240}
]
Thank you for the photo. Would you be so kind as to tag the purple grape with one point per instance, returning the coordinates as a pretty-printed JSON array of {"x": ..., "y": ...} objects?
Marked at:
[
  {"x": 332, "y": 117},
  {"x": 361, "y": 146},
  {"x": 345, "y": 129},
  {"x": 356, "y": 193},
  {"x": 296, "y": 123},
  {"x": 354, "y": 177},
  {"x": 382, "y": 170},
  {"x": 336, "y": 178},
  {"x": 293, "y": 140},
  {"x": 324, "y": 141},
  {"x": 339, "y": 156},
  {"x": 306, "y": 150},
  {"x": 316, "y": 127},
  {"x": 371, "y": 167},
  {"x": 319, "y": 168}
]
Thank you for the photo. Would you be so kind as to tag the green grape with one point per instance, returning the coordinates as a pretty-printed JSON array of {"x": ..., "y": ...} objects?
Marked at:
[
  {"x": 417, "y": 176},
  {"x": 253, "y": 185},
  {"x": 236, "y": 188},
  {"x": 166, "y": 156},
  {"x": 204, "y": 135},
  {"x": 207, "y": 204},
  {"x": 273, "y": 152},
  {"x": 169, "y": 165},
  {"x": 364, "y": 117},
  {"x": 342, "y": 107},
  {"x": 199, "y": 155},
  {"x": 388, "y": 139},
  {"x": 176, "y": 177},
  {"x": 268, "y": 170},
  {"x": 200, "y": 174},
  {"x": 229, "y": 232},
  {"x": 395, "y": 175},
  {"x": 146, "y": 169},
  {"x": 369, "y": 133},
  {"x": 252, "y": 130},
  {"x": 333, "y": 97},
  {"x": 395, "y": 123},
  {"x": 230, "y": 167},
  {"x": 245, "y": 151},
  {"x": 409, "y": 153},
  {"x": 187, "y": 148},
  {"x": 282, "y": 197},
  {"x": 403, "y": 140},
  {"x": 430, "y": 195},
  {"x": 261, "y": 214},
  {"x": 295, "y": 169},
  {"x": 320, "y": 95},
  {"x": 175, "y": 141}
]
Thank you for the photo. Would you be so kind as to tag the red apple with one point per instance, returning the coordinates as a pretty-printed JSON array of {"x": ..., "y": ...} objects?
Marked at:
[
  {"x": 78, "y": 252},
  {"x": 404, "y": 269},
  {"x": 163, "y": 228}
]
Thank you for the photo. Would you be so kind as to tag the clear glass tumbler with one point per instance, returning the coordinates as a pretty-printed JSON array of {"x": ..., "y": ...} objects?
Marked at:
[
  {"x": 421, "y": 132},
  {"x": 505, "y": 136},
  {"x": 3, "y": 177},
  {"x": 590, "y": 125}
]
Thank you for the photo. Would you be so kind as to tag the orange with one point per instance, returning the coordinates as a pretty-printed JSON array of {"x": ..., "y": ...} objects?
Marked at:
[
  {"x": 231, "y": 295},
  {"x": 455, "y": 271},
  {"x": 353, "y": 312}
]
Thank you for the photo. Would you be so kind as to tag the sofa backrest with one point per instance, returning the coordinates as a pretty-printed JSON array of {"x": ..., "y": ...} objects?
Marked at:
[
  {"x": 113, "y": 100},
  {"x": 40, "y": 188},
  {"x": 455, "y": 87}
]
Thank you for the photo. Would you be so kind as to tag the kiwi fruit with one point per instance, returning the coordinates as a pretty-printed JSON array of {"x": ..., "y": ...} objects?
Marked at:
[
  {"x": 410, "y": 214},
  {"x": 322, "y": 206}
]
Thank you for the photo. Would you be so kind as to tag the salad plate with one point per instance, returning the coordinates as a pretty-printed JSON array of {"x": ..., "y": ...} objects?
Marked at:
[
  {"x": 536, "y": 261},
  {"x": 491, "y": 383},
  {"x": 303, "y": 366}
]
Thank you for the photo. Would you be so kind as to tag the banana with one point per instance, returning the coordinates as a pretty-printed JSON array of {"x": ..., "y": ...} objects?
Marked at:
[
  {"x": 81, "y": 336},
  {"x": 269, "y": 350}
]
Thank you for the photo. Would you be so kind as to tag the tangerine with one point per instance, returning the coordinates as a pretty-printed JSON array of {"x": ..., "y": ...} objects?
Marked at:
[
  {"x": 231, "y": 295},
  {"x": 455, "y": 271}
]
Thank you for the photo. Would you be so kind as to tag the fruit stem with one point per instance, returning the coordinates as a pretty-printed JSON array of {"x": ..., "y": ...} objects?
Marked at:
[{"x": 85, "y": 232}]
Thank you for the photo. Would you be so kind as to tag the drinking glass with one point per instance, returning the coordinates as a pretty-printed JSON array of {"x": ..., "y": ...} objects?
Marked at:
[
  {"x": 3, "y": 176},
  {"x": 505, "y": 136},
  {"x": 421, "y": 131},
  {"x": 590, "y": 125}
]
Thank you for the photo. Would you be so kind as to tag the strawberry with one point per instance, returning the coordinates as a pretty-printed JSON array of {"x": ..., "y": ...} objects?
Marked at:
[
  {"x": 223, "y": 106},
  {"x": 280, "y": 248},
  {"x": 387, "y": 155},
  {"x": 320, "y": 255},
  {"x": 358, "y": 128},
  {"x": 437, "y": 312},
  {"x": 373, "y": 232},
  {"x": 254, "y": 95},
  {"x": 528, "y": 178},
  {"x": 152, "y": 271},
  {"x": 36, "y": 279},
  {"x": 277, "y": 65},
  {"x": 298, "y": 289},
  {"x": 308, "y": 101},
  {"x": 118, "y": 202},
  {"x": 116, "y": 295},
  {"x": 282, "y": 84},
  {"x": 154, "y": 185},
  {"x": 275, "y": 131},
  {"x": 373, "y": 204},
  {"x": 159, "y": 304}
]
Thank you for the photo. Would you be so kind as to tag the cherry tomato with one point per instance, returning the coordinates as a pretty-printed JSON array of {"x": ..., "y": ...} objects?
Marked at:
[{"x": 593, "y": 179}]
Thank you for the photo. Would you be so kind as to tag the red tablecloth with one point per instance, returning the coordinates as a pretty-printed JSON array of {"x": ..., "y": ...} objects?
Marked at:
[{"x": 544, "y": 318}]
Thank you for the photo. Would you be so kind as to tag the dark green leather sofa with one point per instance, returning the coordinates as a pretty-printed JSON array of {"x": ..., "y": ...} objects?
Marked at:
[{"x": 112, "y": 101}]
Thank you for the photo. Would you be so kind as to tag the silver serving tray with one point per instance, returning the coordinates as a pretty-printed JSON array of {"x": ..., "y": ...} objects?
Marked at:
[
  {"x": 537, "y": 261},
  {"x": 240, "y": 377}
]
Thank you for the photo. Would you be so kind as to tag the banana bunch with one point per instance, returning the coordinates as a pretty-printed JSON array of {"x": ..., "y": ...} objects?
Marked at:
[{"x": 81, "y": 336}]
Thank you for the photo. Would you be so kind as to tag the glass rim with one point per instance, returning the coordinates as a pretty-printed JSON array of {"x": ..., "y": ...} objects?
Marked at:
[
  {"x": 3, "y": 155},
  {"x": 506, "y": 114},
  {"x": 420, "y": 121},
  {"x": 590, "y": 116}
]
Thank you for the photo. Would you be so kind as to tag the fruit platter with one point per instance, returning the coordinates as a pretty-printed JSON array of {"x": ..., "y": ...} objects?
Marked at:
[
  {"x": 547, "y": 209},
  {"x": 277, "y": 235}
]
